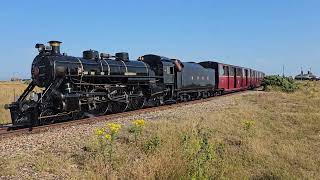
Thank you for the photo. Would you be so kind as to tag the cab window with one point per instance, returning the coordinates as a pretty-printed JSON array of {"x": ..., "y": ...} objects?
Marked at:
[{"x": 170, "y": 70}]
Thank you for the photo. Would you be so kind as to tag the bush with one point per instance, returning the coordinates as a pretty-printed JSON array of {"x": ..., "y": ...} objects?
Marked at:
[{"x": 286, "y": 84}]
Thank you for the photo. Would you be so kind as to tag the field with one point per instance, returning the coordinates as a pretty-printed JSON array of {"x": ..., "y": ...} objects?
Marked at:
[
  {"x": 266, "y": 136},
  {"x": 260, "y": 135},
  {"x": 8, "y": 92}
]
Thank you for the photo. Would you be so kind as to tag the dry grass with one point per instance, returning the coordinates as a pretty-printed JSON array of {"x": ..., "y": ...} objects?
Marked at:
[
  {"x": 8, "y": 92},
  {"x": 271, "y": 135},
  {"x": 266, "y": 136}
]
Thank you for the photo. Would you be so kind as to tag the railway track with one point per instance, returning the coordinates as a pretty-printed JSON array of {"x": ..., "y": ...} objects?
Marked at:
[{"x": 6, "y": 131}]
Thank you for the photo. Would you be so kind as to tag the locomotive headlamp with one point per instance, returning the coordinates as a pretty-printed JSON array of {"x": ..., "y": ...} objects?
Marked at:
[{"x": 6, "y": 106}]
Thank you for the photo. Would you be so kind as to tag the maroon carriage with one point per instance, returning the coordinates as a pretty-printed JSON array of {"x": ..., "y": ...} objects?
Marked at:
[{"x": 234, "y": 78}]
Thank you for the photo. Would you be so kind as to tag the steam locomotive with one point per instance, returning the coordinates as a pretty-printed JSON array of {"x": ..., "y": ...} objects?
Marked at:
[{"x": 97, "y": 84}]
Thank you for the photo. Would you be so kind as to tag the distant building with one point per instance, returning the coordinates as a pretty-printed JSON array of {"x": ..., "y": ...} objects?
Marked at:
[
  {"x": 15, "y": 79},
  {"x": 309, "y": 76}
]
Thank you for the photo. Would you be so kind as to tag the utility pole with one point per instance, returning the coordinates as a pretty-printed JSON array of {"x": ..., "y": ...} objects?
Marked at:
[{"x": 283, "y": 70}]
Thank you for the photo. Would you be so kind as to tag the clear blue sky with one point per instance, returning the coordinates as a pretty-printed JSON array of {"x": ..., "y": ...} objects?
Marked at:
[{"x": 259, "y": 34}]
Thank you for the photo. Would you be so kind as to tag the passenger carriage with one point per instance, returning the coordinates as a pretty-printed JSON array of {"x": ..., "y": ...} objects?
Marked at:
[{"x": 234, "y": 78}]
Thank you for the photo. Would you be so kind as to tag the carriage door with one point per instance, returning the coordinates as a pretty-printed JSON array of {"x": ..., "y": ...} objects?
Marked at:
[
  {"x": 246, "y": 74},
  {"x": 235, "y": 77},
  {"x": 223, "y": 77},
  {"x": 231, "y": 77},
  {"x": 227, "y": 71}
]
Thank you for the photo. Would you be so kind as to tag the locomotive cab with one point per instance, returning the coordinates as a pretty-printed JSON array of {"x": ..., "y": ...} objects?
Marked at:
[{"x": 165, "y": 72}]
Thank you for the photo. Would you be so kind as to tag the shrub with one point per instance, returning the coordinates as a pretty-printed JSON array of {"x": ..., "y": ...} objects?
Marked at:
[
  {"x": 151, "y": 144},
  {"x": 285, "y": 84},
  {"x": 199, "y": 153}
]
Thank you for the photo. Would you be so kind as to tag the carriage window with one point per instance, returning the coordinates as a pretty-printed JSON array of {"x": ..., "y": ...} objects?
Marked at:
[
  {"x": 221, "y": 70},
  {"x": 239, "y": 72},
  {"x": 225, "y": 70},
  {"x": 231, "y": 73}
]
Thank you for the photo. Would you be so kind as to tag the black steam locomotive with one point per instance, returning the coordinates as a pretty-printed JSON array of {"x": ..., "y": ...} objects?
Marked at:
[{"x": 96, "y": 84}]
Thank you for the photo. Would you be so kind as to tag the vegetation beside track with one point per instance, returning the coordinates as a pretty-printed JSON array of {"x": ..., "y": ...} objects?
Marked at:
[
  {"x": 273, "y": 135},
  {"x": 268, "y": 136},
  {"x": 8, "y": 92},
  {"x": 274, "y": 82}
]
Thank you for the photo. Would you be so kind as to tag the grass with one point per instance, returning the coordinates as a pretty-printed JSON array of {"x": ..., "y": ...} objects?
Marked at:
[
  {"x": 9, "y": 91},
  {"x": 273, "y": 135},
  {"x": 265, "y": 136}
]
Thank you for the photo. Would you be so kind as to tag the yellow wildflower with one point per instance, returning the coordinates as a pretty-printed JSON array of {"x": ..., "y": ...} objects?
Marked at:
[
  {"x": 114, "y": 128},
  {"x": 248, "y": 124},
  {"x": 99, "y": 131},
  {"x": 139, "y": 122},
  {"x": 108, "y": 136}
]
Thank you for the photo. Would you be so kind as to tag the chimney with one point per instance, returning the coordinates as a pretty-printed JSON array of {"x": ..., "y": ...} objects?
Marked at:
[{"x": 55, "y": 46}]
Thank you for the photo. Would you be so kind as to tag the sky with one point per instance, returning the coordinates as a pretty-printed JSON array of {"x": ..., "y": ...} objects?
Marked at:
[{"x": 264, "y": 35}]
